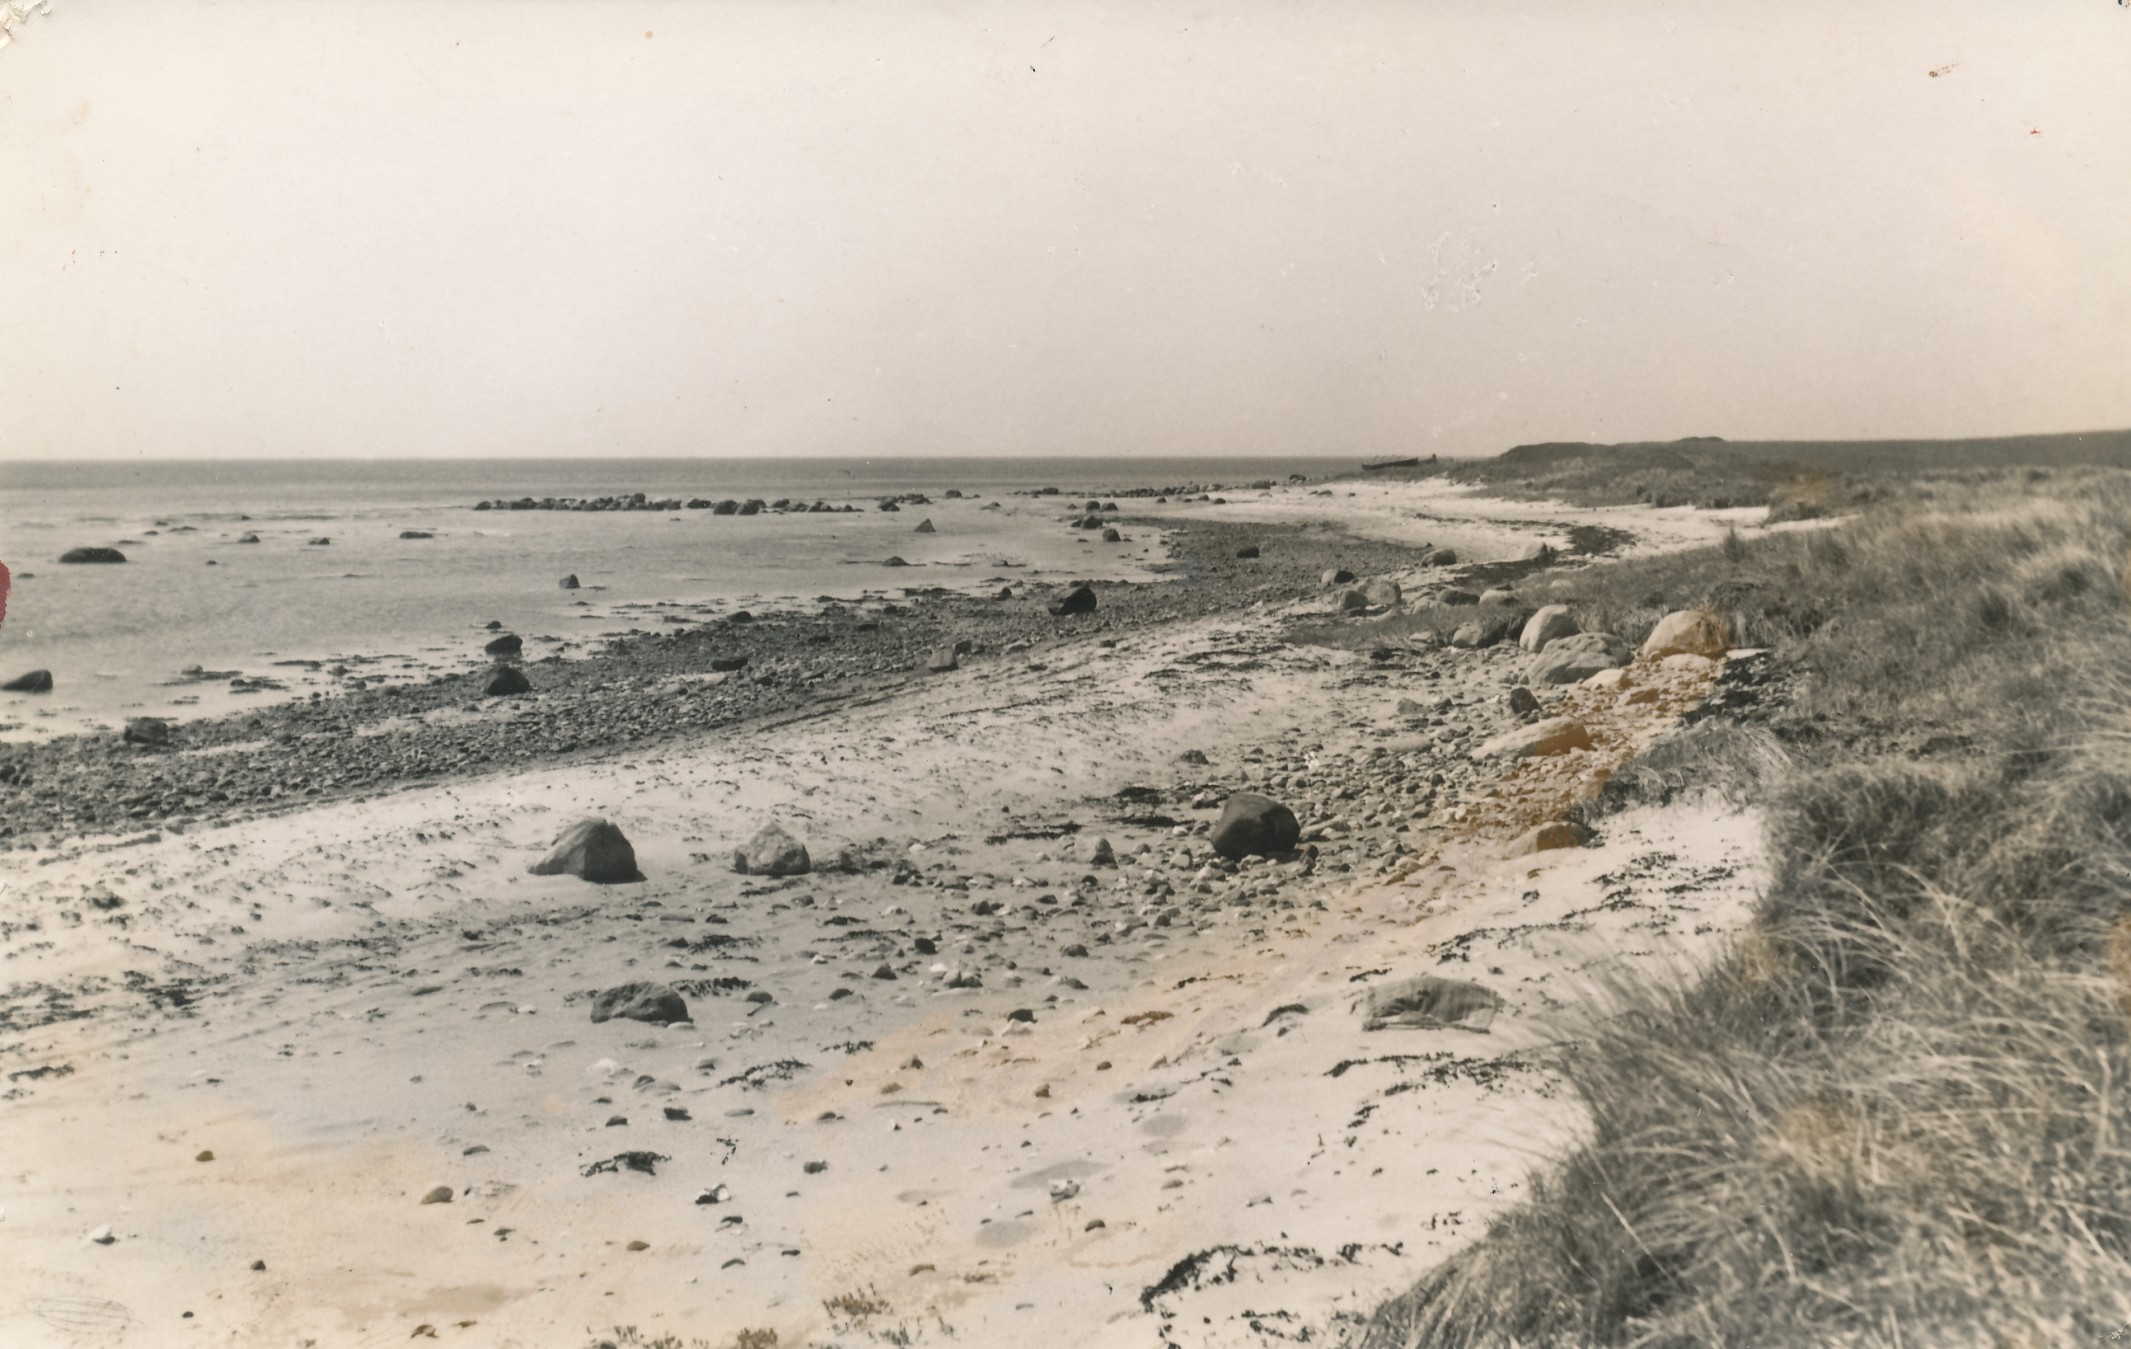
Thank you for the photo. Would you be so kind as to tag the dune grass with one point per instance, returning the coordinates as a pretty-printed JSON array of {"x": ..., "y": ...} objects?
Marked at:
[
  {"x": 1796, "y": 479},
  {"x": 1894, "y": 1113}
]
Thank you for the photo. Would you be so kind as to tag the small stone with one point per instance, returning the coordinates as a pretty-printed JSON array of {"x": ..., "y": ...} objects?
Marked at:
[{"x": 440, "y": 1195}]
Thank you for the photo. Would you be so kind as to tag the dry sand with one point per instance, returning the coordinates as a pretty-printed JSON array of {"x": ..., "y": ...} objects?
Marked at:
[{"x": 1190, "y": 1138}]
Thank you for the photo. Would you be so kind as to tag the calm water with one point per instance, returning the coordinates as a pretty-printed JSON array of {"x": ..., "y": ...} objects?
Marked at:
[{"x": 116, "y": 637}]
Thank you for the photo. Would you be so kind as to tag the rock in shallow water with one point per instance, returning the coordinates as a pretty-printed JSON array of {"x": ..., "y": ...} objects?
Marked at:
[
  {"x": 507, "y": 645},
  {"x": 593, "y": 850},
  {"x": 92, "y": 555},
  {"x": 36, "y": 681},
  {"x": 152, "y": 731}
]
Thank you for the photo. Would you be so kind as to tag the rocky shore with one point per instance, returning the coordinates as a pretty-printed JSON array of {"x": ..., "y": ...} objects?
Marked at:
[
  {"x": 641, "y": 687},
  {"x": 1179, "y": 972}
]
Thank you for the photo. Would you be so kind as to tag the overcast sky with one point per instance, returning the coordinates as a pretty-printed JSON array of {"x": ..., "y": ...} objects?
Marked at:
[{"x": 509, "y": 227}]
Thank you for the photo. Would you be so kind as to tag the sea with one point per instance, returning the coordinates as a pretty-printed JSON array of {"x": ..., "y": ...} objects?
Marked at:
[{"x": 196, "y": 623}]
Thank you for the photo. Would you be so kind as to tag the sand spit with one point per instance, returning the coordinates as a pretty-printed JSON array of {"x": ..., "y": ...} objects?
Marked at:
[{"x": 1020, "y": 1061}]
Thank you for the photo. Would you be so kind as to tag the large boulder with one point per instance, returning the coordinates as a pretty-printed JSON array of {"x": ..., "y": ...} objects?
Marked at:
[
  {"x": 151, "y": 731},
  {"x": 772, "y": 852},
  {"x": 509, "y": 681},
  {"x": 1251, "y": 823},
  {"x": 593, "y": 850},
  {"x": 1441, "y": 557},
  {"x": 1335, "y": 576},
  {"x": 1079, "y": 600},
  {"x": 1573, "y": 659},
  {"x": 1549, "y": 623},
  {"x": 1248, "y": 550},
  {"x": 92, "y": 555},
  {"x": 925, "y": 527},
  {"x": 1694, "y": 631},
  {"x": 1352, "y": 601},
  {"x": 642, "y": 1001},
  {"x": 1380, "y": 591},
  {"x": 569, "y": 582},
  {"x": 36, "y": 681},
  {"x": 508, "y": 644},
  {"x": 943, "y": 660},
  {"x": 1556, "y": 735}
]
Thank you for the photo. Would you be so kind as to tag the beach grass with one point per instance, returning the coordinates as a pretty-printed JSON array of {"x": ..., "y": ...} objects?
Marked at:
[{"x": 1894, "y": 1112}]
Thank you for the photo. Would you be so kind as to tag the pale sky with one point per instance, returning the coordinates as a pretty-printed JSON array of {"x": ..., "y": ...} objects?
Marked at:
[{"x": 512, "y": 227}]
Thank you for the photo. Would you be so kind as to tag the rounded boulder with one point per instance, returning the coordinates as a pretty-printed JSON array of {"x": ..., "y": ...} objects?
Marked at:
[
  {"x": 1552, "y": 622},
  {"x": 1696, "y": 632},
  {"x": 772, "y": 852},
  {"x": 1251, "y": 823}
]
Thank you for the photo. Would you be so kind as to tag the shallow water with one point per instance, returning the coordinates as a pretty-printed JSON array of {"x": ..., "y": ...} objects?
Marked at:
[{"x": 117, "y": 637}]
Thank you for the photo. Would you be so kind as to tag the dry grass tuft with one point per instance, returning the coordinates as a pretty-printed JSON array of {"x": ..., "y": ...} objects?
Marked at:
[{"x": 1895, "y": 1113}]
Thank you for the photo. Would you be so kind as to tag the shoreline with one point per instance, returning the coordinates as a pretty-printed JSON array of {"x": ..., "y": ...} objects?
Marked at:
[
  {"x": 640, "y": 688},
  {"x": 1021, "y": 1057}
]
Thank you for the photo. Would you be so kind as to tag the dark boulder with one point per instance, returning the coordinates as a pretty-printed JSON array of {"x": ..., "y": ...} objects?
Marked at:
[
  {"x": 1441, "y": 557},
  {"x": 895, "y": 562},
  {"x": 642, "y": 1001},
  {"x": 92, "y": 555},
  {"x": 727, "y": 664},
  {"x": 416, "y": 534},
  {"x": 1247, "y": 550},
  {"x": 1251, "y": 823},
  {"x": 508, "y": 681},
  {"x": 924, "y": 527},
  {"x": 1079, "y": 600},
  {"x": 150, "y": 731},
  {"x": 1336, "y": 576},
  {"x": 1112, "y": 536},
  {"x": 943, "y": 660},
  {"x": 509, "y": 644},
  {"x": 592, "y": 850},
  {"x": 569, "y": 582},
  {"x": 36, "y": 681},
  {"x": 248, "y": 537}
]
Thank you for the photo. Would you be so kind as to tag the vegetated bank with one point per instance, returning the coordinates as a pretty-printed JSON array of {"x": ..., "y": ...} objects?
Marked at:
[
  {"x": 1894, "y": 1112},
  {"x": 1795, "y": 479}
]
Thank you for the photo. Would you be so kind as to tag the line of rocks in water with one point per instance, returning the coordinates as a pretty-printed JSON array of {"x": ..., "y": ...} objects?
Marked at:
[{"x": 642, "y": 686}]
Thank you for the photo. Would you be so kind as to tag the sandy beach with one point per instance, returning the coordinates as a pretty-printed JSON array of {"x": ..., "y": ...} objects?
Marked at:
[{"x": 1021, "y": 1059}]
